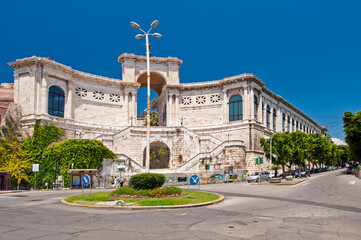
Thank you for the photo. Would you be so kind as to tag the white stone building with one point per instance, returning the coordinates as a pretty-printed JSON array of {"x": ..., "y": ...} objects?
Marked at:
[{"x": 217, "y": 122}]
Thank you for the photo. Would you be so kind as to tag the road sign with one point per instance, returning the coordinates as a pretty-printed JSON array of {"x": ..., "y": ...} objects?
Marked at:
[
  {"x": 85, "y": 180},
  {"x": 35, "y": 167},
  {"x": 194, "y": 180},
  {"x": 121, "y": 168},
  {"x": 207, "y": 166}
]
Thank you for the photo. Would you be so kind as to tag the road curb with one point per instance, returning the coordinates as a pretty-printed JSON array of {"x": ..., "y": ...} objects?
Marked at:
[
  {"x": 220, "y": 199},
  {"x": 13, "y": 191}
]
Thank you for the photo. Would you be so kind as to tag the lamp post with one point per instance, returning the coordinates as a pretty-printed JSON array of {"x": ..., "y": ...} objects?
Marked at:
[{"x": 140, "y": 36}]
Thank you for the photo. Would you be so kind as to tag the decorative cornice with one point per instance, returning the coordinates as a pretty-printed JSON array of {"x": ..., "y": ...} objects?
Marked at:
[
  {"x": 246, "y": 77},
  {"x": 61, "y": 67},
  {"x": 156, "y": 60}
]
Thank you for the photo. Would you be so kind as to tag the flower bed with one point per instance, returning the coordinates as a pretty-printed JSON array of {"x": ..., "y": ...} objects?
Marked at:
[
  {"x": 128, "y": 192},
  {"x": 141, "y": 196}
]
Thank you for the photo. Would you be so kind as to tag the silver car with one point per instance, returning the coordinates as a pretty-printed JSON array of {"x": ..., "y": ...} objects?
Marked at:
[{"x": 265, "y": 175}]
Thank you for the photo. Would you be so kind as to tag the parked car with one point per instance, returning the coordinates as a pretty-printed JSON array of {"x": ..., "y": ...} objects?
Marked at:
[
  {"x": 265, "y": 175},
  {"x": 302, "y": 172}
]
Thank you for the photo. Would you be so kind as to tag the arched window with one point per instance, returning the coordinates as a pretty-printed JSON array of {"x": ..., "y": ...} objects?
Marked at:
[
  {"x": 293, "y": 124},
  {"x": 274, "y": 119},
  {"x": 296, "y": 125},
  {"x": 283, "y": 122},
  {"x": 268, "y": 113},
  {"x": 255, "y": 107},
  {"x": 288, "y": 123},
  {"x": 235, "y": 108},
  {"x": 56, "y": 102}
]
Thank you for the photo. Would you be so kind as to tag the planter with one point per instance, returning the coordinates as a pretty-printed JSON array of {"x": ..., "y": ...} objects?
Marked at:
[
  {"x": 275, "y": 180},
  {"x": 289, "y": 178}
]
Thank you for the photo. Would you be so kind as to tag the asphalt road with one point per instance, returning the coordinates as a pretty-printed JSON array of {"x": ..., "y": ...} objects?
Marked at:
[{"x": 328, "y": 206}]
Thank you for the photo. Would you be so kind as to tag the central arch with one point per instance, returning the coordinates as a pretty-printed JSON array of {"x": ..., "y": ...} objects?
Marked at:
[
  {"x": 159, "y": 155},
  {"x": 157, "y": 81}
]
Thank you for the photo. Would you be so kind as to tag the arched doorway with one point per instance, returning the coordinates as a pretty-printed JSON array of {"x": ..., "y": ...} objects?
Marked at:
[
  {"x": 159, "y": 155},
  {"x": 157, "y": 82}
]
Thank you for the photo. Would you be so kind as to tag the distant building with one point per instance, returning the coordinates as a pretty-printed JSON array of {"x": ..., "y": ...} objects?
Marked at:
[
  {"x": 6, "y": 97},
  {"x": 217, "y": 122}
]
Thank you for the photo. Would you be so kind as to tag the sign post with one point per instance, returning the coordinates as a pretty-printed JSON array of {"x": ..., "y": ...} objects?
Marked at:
[
  {"x": 35, "y": 170},
  {"x": 207, "y": 168},
  {"x": 85, "y": 182},
  {"x": 194, "y": 180},
  {"x": 258, "y": 161}
]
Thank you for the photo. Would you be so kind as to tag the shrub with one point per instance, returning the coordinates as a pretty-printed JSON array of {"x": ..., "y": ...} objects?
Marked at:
[
  {"x": 147, "y": 181},
  {"x": 173, "y": 190},
  {"x": 125, "y": 191}
]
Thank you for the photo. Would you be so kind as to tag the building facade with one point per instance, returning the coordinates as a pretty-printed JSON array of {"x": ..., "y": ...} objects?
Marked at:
[{"x": 217, "y": 122}]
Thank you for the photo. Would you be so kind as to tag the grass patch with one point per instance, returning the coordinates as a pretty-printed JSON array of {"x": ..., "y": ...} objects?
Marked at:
[{"x": 189, "y": 197}]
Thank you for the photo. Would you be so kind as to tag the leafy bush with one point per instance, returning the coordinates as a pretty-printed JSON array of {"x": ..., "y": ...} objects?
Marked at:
[
  {"x": 173, "y": 190},
  {"x": 125, "y": 191},
  {"x": 147, "y": 181}
]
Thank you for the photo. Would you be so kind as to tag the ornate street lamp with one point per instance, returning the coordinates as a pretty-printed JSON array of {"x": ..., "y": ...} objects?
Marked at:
[{"x": 140, "y": 36}]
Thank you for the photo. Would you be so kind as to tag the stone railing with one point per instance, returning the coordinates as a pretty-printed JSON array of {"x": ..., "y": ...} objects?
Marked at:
[
  {"x": 134, "y": 165},
  {"x": 194, "y": 161}
]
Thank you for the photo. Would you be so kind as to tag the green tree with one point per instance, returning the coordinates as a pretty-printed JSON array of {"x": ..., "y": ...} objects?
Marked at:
[
  {"x": 154, "y": 117},
  {"x": 301, "y": 148},
  {"x": 83, "y": 153},
  {"x": 12, "y": 157},
  {"x": 14, "y": 160},
  {"x": 344, "y": 154},
  {"x": 320, "y": 149},
  {"x": 352, "y": 128},
  {"x": 34, "y": 147},
  {"x": 282, "y": 149}
]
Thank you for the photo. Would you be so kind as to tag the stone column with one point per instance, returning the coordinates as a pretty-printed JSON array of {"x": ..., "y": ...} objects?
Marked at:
[
  {"x": 279, "y": 120},
  {"x": 251, "y": 104},
  {"x": 246, "y": 103},
  {"x": 126, "y": 108},
  {"x": 134, "y": 103},
  {"x": 260, "y": 102},
  {"x": 69, "y": 101},
  {"x": 169, "y": 110},
  {"x": 271, "y": 117},
  {"x": 44, "y": 94},
  {"x": 16, "y": 87},
  {"x": 176, "y": 115},
  {"x": 264, "y": 113},
  {"x": 225, "y": 106}
]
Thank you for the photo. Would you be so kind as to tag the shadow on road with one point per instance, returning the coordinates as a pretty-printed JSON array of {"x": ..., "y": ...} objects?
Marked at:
[{"x": 305, "y": 202}]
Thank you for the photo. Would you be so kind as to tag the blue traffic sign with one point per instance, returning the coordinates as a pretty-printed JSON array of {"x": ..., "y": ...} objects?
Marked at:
[
  {"x": 85, "y": 180},
  {"x": 194, "y": 180}
]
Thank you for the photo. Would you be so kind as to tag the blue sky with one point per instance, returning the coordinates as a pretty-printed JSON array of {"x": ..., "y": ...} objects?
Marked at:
[{"x": 306, "y": 51}]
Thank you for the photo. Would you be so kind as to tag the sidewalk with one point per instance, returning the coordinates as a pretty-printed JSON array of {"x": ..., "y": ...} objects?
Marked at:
[{"x": 284, "y": 182}]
